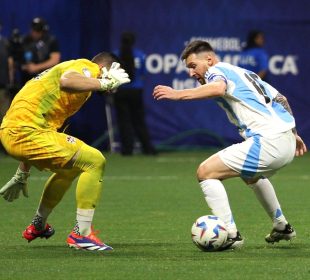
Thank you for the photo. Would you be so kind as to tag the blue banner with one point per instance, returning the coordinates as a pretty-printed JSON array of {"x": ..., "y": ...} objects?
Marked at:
[{"x": 163, "y": 28}]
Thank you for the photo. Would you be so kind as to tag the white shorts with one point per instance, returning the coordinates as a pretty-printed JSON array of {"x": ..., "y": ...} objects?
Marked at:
[{"x": 260, "y": 156}]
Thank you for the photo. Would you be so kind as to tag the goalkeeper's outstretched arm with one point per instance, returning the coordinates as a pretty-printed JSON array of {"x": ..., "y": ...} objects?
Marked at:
[{"x": 72, "y": 81}]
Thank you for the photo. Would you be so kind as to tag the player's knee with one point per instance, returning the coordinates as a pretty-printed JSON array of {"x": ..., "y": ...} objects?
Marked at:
[
  {"x": 203, "y": 172},
  {"x": 98, "y": 159},
  {"x": 101, "y": 160},
  {"x": 89, "y": 158},
  {"x": 251, "y": 183}
]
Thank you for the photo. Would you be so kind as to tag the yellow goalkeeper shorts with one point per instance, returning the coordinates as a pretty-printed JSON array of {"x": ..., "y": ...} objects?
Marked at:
[{"x": 44, "y": 149}]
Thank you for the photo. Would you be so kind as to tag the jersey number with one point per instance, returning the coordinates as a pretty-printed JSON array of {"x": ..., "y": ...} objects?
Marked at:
[{"x": 252, "y": 78}]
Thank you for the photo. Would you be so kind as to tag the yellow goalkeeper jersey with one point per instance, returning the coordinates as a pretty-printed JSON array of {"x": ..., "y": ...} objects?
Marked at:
[{"x": 42, "y": 104}]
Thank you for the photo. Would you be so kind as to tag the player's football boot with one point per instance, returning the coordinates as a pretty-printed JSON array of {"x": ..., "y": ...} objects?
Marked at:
[
  {"x": 233, "y": 243},
  {"x": 31, "y": 233},
  {"x": 276, "y": 235},
  {"x": 90, "y": 242}
]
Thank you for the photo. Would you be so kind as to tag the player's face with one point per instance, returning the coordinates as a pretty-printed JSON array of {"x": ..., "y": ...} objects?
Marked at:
[{"x": 197, "y": 66}]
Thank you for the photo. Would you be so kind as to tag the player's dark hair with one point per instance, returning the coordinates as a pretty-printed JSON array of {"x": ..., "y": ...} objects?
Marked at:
[
  {"x": 105, "y": 58},
  {"x": 126, "y": 53},
  {"x": 197, "y": 46}
]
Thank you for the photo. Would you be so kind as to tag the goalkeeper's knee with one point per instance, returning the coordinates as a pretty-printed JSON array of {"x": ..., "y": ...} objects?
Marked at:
[
  {"x": 91, "y": 163},
  {"x": 89, "y": 159}
]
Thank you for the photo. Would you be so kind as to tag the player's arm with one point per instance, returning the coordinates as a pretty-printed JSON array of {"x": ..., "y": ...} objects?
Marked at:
[
  {"x": 11, "y": 190},
  {"x": 53, "y": 60},
  {"x": 281, "y": 99},
  {"x": 107, "y": 81},
  {"x": 301, "y": 147},
  {"x": 213, "y": 89},
  {"x": 11, "y": 70},
  {"x": 38, "y": 67},
  {"x": 76, "y": 82}
]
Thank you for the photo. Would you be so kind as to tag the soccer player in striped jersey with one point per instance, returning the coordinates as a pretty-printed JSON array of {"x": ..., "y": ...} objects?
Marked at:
[
  {"x": 29, "y": 133},
  {"x": 264, "y": 119}
]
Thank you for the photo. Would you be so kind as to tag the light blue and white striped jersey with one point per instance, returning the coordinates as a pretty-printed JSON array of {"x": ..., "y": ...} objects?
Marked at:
[{"x": 248, "y": 101}]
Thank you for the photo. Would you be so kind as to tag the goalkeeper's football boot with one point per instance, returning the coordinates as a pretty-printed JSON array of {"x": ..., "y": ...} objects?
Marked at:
[
  {"x": 89, "y": 243},
  {"x": 233, "y": 243},
  {"x": 31, "y": 233},
  {"x": 288, "y": 233}
]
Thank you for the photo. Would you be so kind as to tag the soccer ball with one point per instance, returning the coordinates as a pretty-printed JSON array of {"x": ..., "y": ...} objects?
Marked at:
[{"x": 209, "y": 233}]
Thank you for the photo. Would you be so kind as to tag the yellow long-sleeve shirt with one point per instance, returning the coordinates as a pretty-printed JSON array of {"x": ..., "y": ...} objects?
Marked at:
[{"x": 42, "y": 104}]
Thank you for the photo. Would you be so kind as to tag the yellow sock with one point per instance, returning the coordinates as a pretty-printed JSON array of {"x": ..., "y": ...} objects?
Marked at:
[{"x": 91, "y": 162}]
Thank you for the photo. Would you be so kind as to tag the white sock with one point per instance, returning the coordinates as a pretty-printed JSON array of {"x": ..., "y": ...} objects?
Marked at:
[
  {"x": 266, "y": 195},
  {"x": 43, "y": 212},
  {"x": 216, "y": 198},
  {"x": 84, "y": 218}
]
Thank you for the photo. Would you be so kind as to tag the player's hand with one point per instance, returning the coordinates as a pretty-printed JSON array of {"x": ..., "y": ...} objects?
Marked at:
[
  {"x": 164, "y": 92},
  {"x": 113, "y": 78},
  {"x": 118, "y": 74},
  {"x": 301, "y": 147},
  {"x": 31, "y": 68},
  {"x": 11, "y": 190}
]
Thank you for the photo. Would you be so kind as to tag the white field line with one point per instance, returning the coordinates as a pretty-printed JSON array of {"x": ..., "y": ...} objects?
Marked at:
[
  {"x": 178, "y": 159},
  {"x": 121, "y": 178},
  {"x": 140, "y": 178}
]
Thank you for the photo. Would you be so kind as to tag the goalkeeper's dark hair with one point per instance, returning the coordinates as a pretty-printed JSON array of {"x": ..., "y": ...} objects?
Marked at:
[
  {"x": 105, "y": 58},
  {"x": 196, "y": 47},
  {"x": 126, "y": 55}
]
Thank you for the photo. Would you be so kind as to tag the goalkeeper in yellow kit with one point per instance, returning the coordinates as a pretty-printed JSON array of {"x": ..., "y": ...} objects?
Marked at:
[{"x": 29, "y": 133}]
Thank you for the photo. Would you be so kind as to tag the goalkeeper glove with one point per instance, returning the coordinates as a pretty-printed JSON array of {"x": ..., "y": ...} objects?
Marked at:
[
  {"x": 113, "y": 78},
  {"x": 10, "y": 191}
]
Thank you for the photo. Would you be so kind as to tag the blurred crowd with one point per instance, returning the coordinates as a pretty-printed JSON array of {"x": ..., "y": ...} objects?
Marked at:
[{"x": 23, "y": 57}]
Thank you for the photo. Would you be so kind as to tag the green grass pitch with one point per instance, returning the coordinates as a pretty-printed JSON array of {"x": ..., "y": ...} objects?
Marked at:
[{"x": 147, "y": 208}]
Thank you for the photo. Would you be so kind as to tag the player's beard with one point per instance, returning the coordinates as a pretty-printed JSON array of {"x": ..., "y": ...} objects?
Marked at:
[{"x": 201, "y": 81}]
